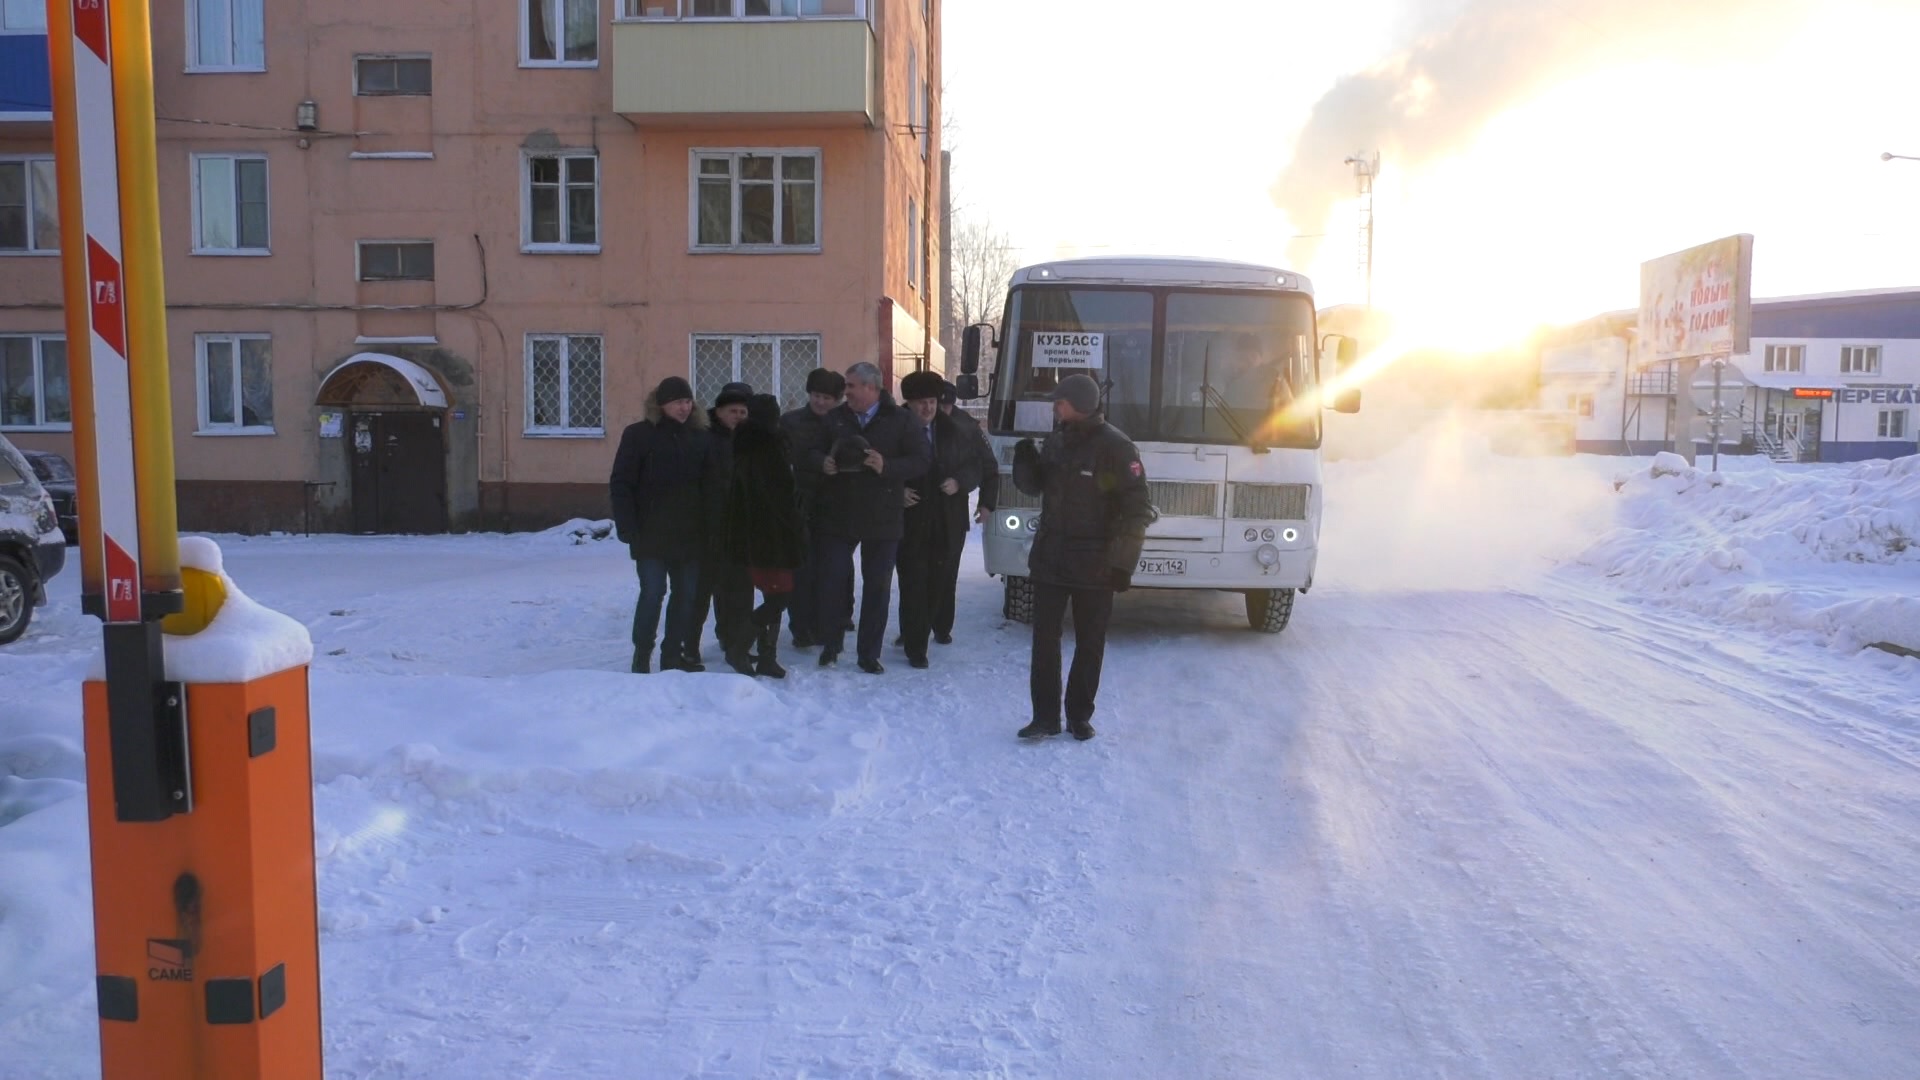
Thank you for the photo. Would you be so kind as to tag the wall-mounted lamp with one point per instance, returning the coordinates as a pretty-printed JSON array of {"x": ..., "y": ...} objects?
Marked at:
[{"x": 306, "y": 116}]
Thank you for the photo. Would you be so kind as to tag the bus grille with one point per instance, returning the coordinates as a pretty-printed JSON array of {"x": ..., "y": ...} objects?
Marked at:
[
  {"x": 1174, "y": 498},
  {"x": 1012, "y": 498},
  {"x": 1270, "y": 502}
]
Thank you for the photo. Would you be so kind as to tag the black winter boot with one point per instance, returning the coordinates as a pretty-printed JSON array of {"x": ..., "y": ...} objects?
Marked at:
[
  {"x": 640, "y": 660},
  {"x": 739, "y": 660},
  {"x": 1040, "y": 729},
  {"x": 768, "y": 663}
]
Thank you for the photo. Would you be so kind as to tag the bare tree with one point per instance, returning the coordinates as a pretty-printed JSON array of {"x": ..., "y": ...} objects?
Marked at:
[{"x": 984, "y": 258}]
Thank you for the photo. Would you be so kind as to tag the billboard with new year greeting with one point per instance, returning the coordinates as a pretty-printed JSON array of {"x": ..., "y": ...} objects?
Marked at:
[{"x": 1697, "y": 302}]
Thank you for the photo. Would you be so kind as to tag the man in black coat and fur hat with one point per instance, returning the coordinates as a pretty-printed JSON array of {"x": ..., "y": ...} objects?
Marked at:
[
  {"x": 877, "y": 450},
  {"x": 723, "y": 584},
  {"x": 935, "y": 527},
  {"x": 808, "y": 439},
  {"x": 970, "y": 430}
]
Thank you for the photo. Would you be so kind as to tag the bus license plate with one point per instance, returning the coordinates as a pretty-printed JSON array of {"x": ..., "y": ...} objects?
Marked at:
[{"x": 1163, "y": 566}]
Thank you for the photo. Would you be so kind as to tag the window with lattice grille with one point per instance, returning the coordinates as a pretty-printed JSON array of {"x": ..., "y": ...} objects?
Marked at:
[
  {"x": 564, "y": 384},
  {"x": 774, "y": 364}
]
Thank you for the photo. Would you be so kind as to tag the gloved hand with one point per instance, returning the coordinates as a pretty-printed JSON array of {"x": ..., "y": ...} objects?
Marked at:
[
  {"x": 1119, "y": 580},
  {"x": 1025, "y": 451}
]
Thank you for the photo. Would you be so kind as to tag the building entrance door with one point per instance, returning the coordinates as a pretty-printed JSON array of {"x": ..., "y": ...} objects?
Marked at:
[{"x": 399, "y": 472}]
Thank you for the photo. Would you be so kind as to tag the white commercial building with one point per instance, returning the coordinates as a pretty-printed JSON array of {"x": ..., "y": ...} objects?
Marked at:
[{"x": 1827, "y": 378}]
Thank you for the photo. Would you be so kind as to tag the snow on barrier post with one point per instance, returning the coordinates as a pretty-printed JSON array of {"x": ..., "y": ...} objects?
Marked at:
[
  {"x": 199, "y": 774},
  {"x": 205, "y": 924}
]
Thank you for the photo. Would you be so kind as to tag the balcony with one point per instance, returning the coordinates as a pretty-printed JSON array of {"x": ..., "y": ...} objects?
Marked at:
[
  {"x": 744, "y": 63},
  {"x": 26, "y": 86}
]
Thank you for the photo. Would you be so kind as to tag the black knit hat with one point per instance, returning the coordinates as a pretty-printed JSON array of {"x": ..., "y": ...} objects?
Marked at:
[
  {"x": 671, "y": 389},
  {"x": 822, "y": 381},
  {"x": 921, "y": 384},
  {"x": 734, "y": 393}
]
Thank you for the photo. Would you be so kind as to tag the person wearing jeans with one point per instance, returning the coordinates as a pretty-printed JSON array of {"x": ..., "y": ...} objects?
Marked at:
[{"x": 658, "y": 494}]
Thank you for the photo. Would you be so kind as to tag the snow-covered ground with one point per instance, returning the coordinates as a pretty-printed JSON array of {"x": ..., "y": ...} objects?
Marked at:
[{"x": 1548, "y": 778}]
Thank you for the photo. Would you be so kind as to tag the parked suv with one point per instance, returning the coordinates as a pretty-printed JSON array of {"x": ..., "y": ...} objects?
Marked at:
[
  {"x": 32, "y": 548},
  {"x": 56, "y": 475}
]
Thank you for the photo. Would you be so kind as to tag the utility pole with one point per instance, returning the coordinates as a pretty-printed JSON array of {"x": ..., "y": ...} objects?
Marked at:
[{"x": 1364, "y": 170}]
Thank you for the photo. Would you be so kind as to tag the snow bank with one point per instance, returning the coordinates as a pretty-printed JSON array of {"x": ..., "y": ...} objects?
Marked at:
[
  {"x": 244, "y": 642},
  {"x": 1830, "y": 551},
  {"x": 583, "y": 530}
]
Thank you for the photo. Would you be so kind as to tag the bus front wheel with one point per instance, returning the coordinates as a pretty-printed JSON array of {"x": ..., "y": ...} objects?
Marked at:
[
  {"x": 1268, "y": 610},
  {"x": 1018, "y": 605}
]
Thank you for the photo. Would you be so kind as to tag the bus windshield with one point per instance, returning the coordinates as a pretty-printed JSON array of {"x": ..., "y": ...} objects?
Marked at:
[{"x": 1174, "y": 364}]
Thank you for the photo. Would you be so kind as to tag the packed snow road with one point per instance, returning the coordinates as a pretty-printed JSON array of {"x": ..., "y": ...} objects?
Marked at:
[{"x": 1507, "y": 826}]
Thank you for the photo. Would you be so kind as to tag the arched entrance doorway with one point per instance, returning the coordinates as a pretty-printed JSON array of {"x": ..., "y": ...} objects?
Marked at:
[{"x": 395, "y": 435}]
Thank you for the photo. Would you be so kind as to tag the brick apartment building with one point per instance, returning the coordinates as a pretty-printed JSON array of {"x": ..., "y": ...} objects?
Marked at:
[{"x": 425, "y": 261}]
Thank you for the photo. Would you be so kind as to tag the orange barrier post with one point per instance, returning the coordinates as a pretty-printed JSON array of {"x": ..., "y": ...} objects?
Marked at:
[
  {"x": 200, "y": 797},
  {"x": 205, "y": 932}
]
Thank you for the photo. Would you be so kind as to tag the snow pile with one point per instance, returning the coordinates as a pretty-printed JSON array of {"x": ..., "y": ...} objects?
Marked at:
[
  {"x": 244, "y": 642},
  {"x": 1830, "y": 551},
  {"x": 583, "y": 530}
]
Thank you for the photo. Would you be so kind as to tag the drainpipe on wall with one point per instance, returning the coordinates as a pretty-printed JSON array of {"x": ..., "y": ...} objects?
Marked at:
[{"x": 926, "y": 197}]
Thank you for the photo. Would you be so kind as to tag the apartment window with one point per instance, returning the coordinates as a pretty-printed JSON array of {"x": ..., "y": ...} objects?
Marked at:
[
  {"x": 236, "y": 383},
  {"x": 1786, "y": 357},
  {"x": 562, "y": 202},
  {"x": 230, "y": 205},
  {"x": 560, "y": 33},
  {"x": 29, "y": 205},
  {"x": 226, "y": 35},
  {"x": 34, "y": 392},
  {"x": 917, "y": 100},
  {"x": 774, "y": 364},
  {"x": 1860, "y": 360},
  {"x": 396, "y": 260},
  {"x": 913, "y": 244},
  {"x": 765, "y": 199},
  {"x": 23, "y": 15},
  {"x": 1893, "y": 423},
  {"x": 564, "y": 384},
  {"x": 392, "y": 76}
]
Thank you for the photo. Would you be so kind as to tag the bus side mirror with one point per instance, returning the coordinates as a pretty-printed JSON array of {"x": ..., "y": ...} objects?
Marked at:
[
  {"x": 971, "y": 343},
  {"x": 1348, "y": 401},
  {"x": 1345, "y": 350},
  {"x": 967, "y": 387}
]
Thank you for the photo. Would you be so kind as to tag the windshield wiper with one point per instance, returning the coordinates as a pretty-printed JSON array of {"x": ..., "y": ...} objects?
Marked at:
[{"x": 1219, "y": 403}]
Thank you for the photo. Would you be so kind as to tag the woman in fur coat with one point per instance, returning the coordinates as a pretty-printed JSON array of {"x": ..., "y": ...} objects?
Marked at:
[{"x": 760, "y": 527}]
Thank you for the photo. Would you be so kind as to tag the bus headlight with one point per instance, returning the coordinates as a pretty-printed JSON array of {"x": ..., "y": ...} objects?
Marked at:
[
  {"x": 1033, "y": 523},
  {"x": 1013, "y": 522},
  {"x": 1290, "y": 535},
  {"x": 1267, "y": 555},
  {"x": 1267, "y": 535},
  {"x": 1254, "y": 534}
]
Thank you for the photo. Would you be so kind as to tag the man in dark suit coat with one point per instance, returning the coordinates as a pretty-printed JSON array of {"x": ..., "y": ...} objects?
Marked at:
[
  {"x": 861, "y": 504},
  {"x": 936, "y": 518}
]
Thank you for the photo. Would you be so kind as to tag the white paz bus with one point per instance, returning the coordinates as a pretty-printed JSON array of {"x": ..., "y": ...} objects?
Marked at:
[{"x": 1215, "y": 371}]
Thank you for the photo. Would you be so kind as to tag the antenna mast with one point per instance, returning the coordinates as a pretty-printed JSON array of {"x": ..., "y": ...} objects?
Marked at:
[{"x": 1364, "y": 170}]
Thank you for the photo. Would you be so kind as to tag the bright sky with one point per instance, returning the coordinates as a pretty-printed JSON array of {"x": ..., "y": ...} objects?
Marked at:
[{"x": 1120, "y": 127}]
